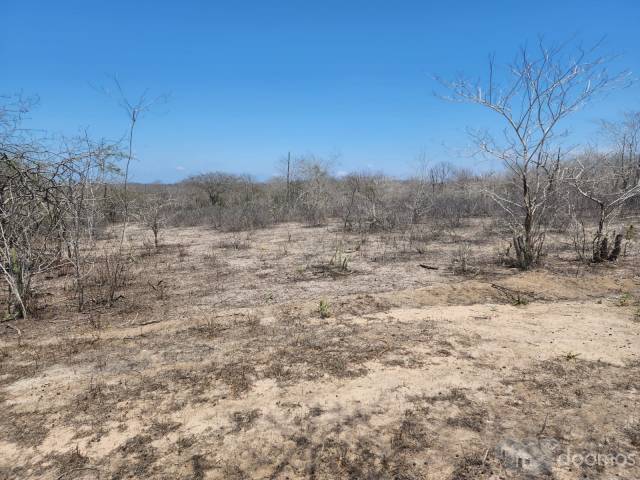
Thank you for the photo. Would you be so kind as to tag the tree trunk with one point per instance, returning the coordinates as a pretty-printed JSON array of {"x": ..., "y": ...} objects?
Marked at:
[
  {"x": 617, "y": 247},
  {"x": 600, "y": 242},
  {"x": 525, "y": 245}
]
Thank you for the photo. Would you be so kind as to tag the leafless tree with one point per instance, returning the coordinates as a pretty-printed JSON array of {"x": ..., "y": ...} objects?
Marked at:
[
  {"x": 624, "y": 136},
  {"x": 216, "y": 185},
  {"x": 28, "y": 226},
  {"x": 315, "y": 192},
  {"x": 440, "y": 174},
  {"x": 153, "y": 212},
  {"x": 532, "y": 99},
  {"x": 134, "y": 110},
  {"x": 29, "y": 215},
  {"x": 419, "y": 200},
  {"x": 363, "y": 201},
  {"x": 607, "y": 181},
  {"x": 83, "y": 165}
]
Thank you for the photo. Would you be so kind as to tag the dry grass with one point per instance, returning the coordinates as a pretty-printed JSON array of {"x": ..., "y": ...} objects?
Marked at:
[{"x": 230, "y": 369}]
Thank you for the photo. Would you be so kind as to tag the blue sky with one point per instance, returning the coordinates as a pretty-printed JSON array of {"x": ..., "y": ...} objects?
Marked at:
[{"x": 251, "y": 80}]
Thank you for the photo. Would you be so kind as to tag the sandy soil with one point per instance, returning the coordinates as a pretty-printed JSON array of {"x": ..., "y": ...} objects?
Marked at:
[{"x": 219, "y": 362}]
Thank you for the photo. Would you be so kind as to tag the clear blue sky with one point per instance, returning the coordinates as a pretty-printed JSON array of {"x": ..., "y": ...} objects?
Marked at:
[{"x": 250, "y": 81}]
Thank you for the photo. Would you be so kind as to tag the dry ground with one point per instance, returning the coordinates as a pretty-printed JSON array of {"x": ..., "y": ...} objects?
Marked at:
[{"x": 220, "y": 363}]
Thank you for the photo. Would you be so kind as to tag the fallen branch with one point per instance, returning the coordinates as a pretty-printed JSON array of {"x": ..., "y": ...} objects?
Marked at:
[
  {"x": 516, "y": 296},
  {"x": 428, "y": 267},
  {"x": 144, "y": 324},
  {"x": 79, "y": 469}
]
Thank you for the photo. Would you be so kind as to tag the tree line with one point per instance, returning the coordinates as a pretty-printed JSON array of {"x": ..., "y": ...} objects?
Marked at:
[{"x": 61, "y": 201}]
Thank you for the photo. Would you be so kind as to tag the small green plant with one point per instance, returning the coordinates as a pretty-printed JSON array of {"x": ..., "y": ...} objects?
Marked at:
[
  {"x": 340, "y": 260},
  {"x": 571, "y": 356},
  {"x": 300, "y": 271},
  {"x": 624, "y": 300},
  {"x": 630, "y": 234},
  {"x": 324, "y": 309},
  {"x": 520, "y": 299}
]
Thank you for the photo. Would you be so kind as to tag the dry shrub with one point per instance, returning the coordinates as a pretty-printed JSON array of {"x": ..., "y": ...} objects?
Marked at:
[
  {"x": 462, "y": 260},
  {"x": 237, "y": 241},
  {"x": 411, "y": 435},
  {"x": 109, "y": 277}
]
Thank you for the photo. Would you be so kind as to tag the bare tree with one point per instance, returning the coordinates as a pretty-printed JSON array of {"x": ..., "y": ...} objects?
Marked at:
[
  {"x": 83, "y": 166},
  {"x": 608, "y": 181},
  {"x": 419, "y": 201},
  {"x": 532, "y": 98},
  {"x": 134, "y": 109},
  {"x": 625, "y": 138},
  {"x": 28, "y": 226},
  {"x": 216, "y": 185},
  {"x": 440, "y": 174},
  {"x": 314, "y": 197},
  {"x": 29, "y": 214},
  {"x": 363, "y": 201},
  {"x": 152, "y": 214}
]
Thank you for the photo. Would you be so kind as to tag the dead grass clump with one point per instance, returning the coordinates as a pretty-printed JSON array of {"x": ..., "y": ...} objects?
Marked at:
[
  {"x": 231, "y": 471},
  {"x": 208, "y": 329},
  {"x": 632, "y": 431},
  {"x": 362, "y": 459},
  {"x": 473, "y": 420},
  {"x": 159, "y": 288},
  {"x": 237, "y": 241},
  {"x": 198, "y": 467},
  {"x": 328, "y": 270},
  {"x": 455, "y": 396},
  {"x": 473, "y": 466},
  {"x": 25, "y": 428},
  {"x": 315, "y": 411},
  {"x": 568, "y": 382},
  {"x": 94, "y": 398},
  {"x": 290, "y": 315},
  {"x": 237, "y": 376},
  {"x": 514, "y": 297},
  {"x": 411, "y": 434},
  {"x": 69, "y": 462},
  {"x": 403, "y": 359},
  {"x": 336, "y": 350},
  {"x": 161, "y": 428},
  {"x": 185, "y": 443},
  {"x": 140, "y": 456},
  {"x": 280, "y": 372},
  {"x": 251, "y": 325},
  {"x": 462, "y": 261},
  {"x": 213, "y": 258},
  {"x": 243, "y": 420},
  {"x": 182, "y": 252},
  {"x": 109, "y": 277},
  {"x": 361, "y": 305}
]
